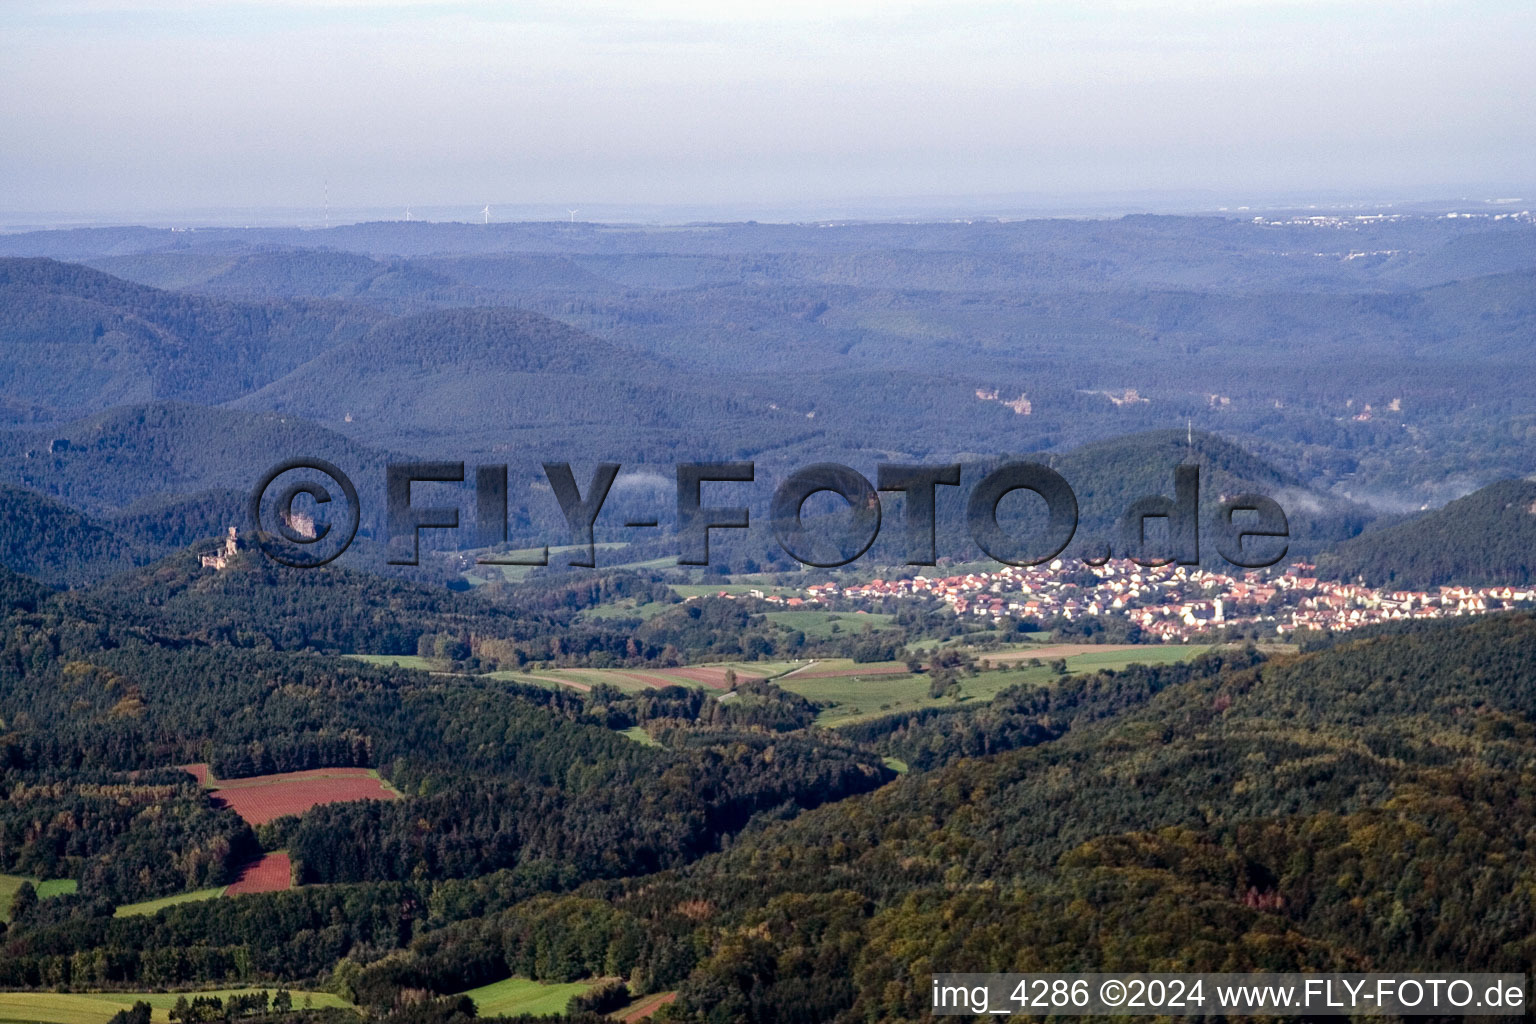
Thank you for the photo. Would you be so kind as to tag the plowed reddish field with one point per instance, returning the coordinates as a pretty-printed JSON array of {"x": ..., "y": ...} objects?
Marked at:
[
  {"x": 273, "y": 873},
  {"x": 200, "y": 771},
  {"x": 263, "y": 798}
]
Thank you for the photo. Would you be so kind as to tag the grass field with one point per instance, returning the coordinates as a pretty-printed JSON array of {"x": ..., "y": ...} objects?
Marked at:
[
  {"x": 98, "y": 1007},
  {"x": 822, "y": 668},
  {"x": 1031, "y": 636},
  {"x": 483, "y": 574},
  {"x": 154, "y": 906},
  {"x": 400, "y": 660},
  {"x": 850, "y": 697},
  {"x": 665, "y": 562},
  {"x": 760, "y": 669},
  {"x": 819, "y": 624},
  {"x": 639, "y": 735},
  {"x": 52, "y": 887},
  {"x": 635, "y": 680},
  {"x": 519, "y": 995},
  {"x": 852, "y": 692},
  {"x": 627, "y": 609},
  {"x": 711, "y": 589}
]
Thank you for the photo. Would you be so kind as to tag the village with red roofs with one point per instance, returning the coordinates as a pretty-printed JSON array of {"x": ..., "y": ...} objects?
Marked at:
[{"x": 1171, "y": 604}]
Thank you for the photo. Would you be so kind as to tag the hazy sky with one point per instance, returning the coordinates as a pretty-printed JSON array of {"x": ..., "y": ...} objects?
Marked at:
[{"x": 117, "y": 105}]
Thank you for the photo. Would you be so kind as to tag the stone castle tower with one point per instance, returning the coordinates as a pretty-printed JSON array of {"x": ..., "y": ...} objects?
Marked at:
[{"x": 220, "y": 558}]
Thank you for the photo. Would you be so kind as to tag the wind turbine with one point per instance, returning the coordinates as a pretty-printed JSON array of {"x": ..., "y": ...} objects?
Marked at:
[
  {"x": 407, "y": 213},
  {"x": 573, "y": 215},
  {"x": 487, "y": 212}
]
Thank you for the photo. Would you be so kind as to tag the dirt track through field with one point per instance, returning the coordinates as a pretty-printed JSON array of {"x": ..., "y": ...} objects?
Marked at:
[
  {"x": 648, "y": 1006},
  {"x": 650, "y": 679}
]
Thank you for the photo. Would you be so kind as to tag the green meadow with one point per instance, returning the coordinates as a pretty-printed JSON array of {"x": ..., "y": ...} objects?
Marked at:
[
  {"x": 99, "y": 1007},
  {"x": 519, "y": 995},
  {"x": 155, "y": 906},
  {"x": 856, "y": 693},
  {"x": 398, "y": 660},
  {"x": 51, "y": 887},
  {"x": 820, "y": 623}
]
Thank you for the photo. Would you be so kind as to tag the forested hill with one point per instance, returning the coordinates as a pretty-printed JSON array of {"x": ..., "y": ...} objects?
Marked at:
[
  {"x": 95, "y": 708},
  {"x": 54, "y": 543},
  {"x": 491, "y": 376},
  {"x": 799, "y": 343},
  {"x": 1232, "y": 252},
  {"x": 20, "y": 593},
  {"x": 74, "y": 340},
  {"x": 257, "y": 603},
  {"x": 142, "y": 482},
  {"x": 63, "y": 547},
  {"x": 1107, "y": 477},
  {"x": 165, "y": 523},
  {"x": 151, "y": 453},
  {"x": 242, "y": 271},
  {"x": 1487, "y": 538},
  {"x": 1363, "y": 808}
]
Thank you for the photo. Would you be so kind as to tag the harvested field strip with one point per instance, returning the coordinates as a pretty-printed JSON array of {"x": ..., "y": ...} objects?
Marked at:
[
  {"x": 881, "y": 669},
  {"x": 564, "y": 680},
  {"x": 713, "y": 677},
  {"x": 650, "y": 679},
  {"x": 272, "y": 873}
]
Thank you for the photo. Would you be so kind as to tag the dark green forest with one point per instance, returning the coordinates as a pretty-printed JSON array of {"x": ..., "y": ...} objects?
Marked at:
[
  {"x": 1488, "y": 537},
  {"x": 1360, "y": 807}
]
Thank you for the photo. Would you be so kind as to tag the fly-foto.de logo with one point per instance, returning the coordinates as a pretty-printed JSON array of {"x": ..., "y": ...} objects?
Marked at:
[{"x": 305, "y": 539}]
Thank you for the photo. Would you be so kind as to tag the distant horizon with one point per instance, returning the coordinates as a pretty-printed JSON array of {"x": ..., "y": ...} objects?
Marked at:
[{"x": 871, "y": 210}]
